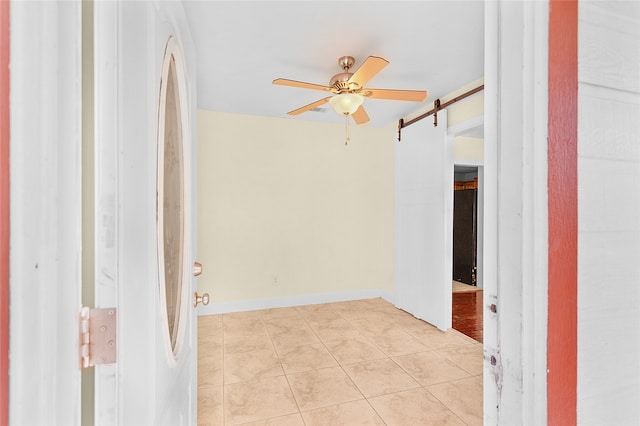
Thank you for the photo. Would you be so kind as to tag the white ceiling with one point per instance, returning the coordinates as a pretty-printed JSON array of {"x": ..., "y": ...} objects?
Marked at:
[{"x": 243, "y": 45}]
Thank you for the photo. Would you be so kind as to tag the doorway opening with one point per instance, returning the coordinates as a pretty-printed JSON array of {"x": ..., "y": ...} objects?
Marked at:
[
  {"x": 467, "y": 227},
  {"x": 467, "y": 297}
]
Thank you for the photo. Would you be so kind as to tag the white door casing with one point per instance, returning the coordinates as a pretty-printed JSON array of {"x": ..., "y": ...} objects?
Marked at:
[
  {"x": 424, "y": 221},
  {"x": 515, "y": 221},
  {"x": 45, "y": 245},
  {"x": 151, "y": 383}
]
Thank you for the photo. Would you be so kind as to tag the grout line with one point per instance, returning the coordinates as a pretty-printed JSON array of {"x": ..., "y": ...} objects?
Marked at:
[
  {"x": 286, "y": 376},
  {"x": 446, "y": 406}
]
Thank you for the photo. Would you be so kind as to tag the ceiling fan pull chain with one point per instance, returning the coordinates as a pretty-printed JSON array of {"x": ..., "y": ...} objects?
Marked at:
[{"x": 346, "y": 141}]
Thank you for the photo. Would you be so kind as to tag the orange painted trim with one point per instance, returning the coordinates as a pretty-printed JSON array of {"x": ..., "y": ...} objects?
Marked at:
[
  {"x": 4, "y": 212},
  {"x": 563, "y": 213}
]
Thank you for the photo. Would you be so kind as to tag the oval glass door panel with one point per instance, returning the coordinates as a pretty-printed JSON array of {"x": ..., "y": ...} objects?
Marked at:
[{"x": 171, "y": 199}]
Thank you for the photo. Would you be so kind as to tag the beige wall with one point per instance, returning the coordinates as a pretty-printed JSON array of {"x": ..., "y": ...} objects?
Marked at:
[
  {"x": 286, "y": 209},
  {"x": 468, "y": 150}
]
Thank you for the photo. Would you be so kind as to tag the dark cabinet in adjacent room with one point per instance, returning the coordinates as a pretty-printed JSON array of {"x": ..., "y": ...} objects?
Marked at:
[{"x": 465, "y": 203}]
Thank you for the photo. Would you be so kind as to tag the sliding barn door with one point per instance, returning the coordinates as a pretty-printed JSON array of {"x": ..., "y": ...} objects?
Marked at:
[{"x": 424, "y": 221}]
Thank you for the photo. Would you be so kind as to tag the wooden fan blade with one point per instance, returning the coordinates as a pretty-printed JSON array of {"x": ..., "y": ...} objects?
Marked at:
[
  {"x": 360, "y": 116},
  {"x": 395, "y": 95},
  {"x": 301, "y": 84},
  {"x": 370, "y": 67},
  {"x": 309, "y": 107}
]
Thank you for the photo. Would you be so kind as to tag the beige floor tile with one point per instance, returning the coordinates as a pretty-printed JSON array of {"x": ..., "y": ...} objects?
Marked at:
[
  {"x": 323, "y": 388},
  {"x": 468, "y": 357},
  {"x": 285, "y": 322},
  {"x": 438, "y": 339},
  {"x": 253, "y": 331},
  {"x": 254, "y": 365},
  {"x": 409, "y": 322},
  {"x": 320, "y": 316},
  {"x": 351, "y": 350},
  {"x": 379, "y": 377},
  {"x": 293, "y": 336},
  {"x": 369, "y": 316},
  {"x": 210, "y": 410},
  {"x": 277, "y": 326},
  {"x": 371, "y": 327},
  {"x": 429, "y": 368},
  {"x": 353, "y": 305},
  {"x": 251, "y": 342},
  {"x": 207, "y": 334},
  {"x": 381, "y": 349},
  {"x": 210, "y": 370},
  {"x": 304, "y": 358},
  {"x": 463, "y": 397},
  {"x": 315, "y": 308},
  {"x": 357, "y": 413},
  {"x": 210, "y": 321},
  {"x": 335, "y": 329},
  {"x": 412, "y": 324},
  {"x": 288, "y": 312},
  {"x": 242, "y": 316},
  {"x": 289, "y": 420},
  {"x": 395, "y": 342},
  {"x": 413, "y": 407},
  {"x": 209, "y": 347},
  {"x": 241, "y": 326},
  {"x": 258, "y": 400},
  {"x": 326, "y": 318}
]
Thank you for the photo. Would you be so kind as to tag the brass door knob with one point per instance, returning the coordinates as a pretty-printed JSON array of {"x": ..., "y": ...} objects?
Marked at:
[
  {"x": 197, "y": 269},
  {"x": 204, "y": 299}
]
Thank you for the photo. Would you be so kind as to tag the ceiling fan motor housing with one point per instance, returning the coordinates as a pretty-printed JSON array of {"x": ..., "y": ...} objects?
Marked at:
[{"x": 340, "y": 82}]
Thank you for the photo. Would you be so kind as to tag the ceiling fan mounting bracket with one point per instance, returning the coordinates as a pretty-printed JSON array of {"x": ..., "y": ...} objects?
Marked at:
[{"x": 346, "y": 62}]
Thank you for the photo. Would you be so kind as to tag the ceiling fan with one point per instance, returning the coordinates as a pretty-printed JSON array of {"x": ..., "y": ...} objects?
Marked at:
[{"x": 348, "y": 89}]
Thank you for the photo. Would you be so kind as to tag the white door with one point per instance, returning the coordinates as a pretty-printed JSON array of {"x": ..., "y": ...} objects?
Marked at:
[
  {"x": 424, "y": 221},
  {"x": 145, "y": 211}
]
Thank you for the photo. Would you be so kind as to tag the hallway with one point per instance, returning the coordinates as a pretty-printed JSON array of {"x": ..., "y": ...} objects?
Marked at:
[{"x": 357, "y": 362}]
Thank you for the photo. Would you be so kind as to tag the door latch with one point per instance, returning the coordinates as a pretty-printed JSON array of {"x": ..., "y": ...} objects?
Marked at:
[{"x": 98, "y": 343}]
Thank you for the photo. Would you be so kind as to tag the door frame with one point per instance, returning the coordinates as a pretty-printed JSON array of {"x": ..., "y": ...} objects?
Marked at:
[
  {"x": 516, "y": 217},
  {"x": 4, "y": 212},
  {"x": 460, "y": 129},
  {"x": 45, "y": 212}
]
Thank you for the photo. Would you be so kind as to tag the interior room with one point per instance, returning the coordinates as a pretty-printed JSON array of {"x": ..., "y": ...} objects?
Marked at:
[{"x": 297, "y": 226}]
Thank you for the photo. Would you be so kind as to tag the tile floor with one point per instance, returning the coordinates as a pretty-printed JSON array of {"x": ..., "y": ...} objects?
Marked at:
[{"x": 348, "y": 363}]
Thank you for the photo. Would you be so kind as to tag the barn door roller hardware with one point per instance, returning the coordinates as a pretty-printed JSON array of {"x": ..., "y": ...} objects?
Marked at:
[{"x": 437, "y": 106}]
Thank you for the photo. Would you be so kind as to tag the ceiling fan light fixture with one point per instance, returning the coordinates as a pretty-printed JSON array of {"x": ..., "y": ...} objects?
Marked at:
[{"x": 346, "y": 103}]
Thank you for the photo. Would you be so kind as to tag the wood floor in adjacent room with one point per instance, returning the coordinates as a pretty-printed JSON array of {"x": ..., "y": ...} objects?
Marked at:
[
  {"x": 345, "y": 363},
  {"x": 467, "y": 310}
]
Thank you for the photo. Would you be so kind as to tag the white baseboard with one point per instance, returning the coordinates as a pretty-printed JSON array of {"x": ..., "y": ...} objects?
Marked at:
[{"x": 281, "y": 302}]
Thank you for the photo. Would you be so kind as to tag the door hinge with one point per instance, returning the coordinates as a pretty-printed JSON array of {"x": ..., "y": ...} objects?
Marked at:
[{"x": 98, "y": 341}]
